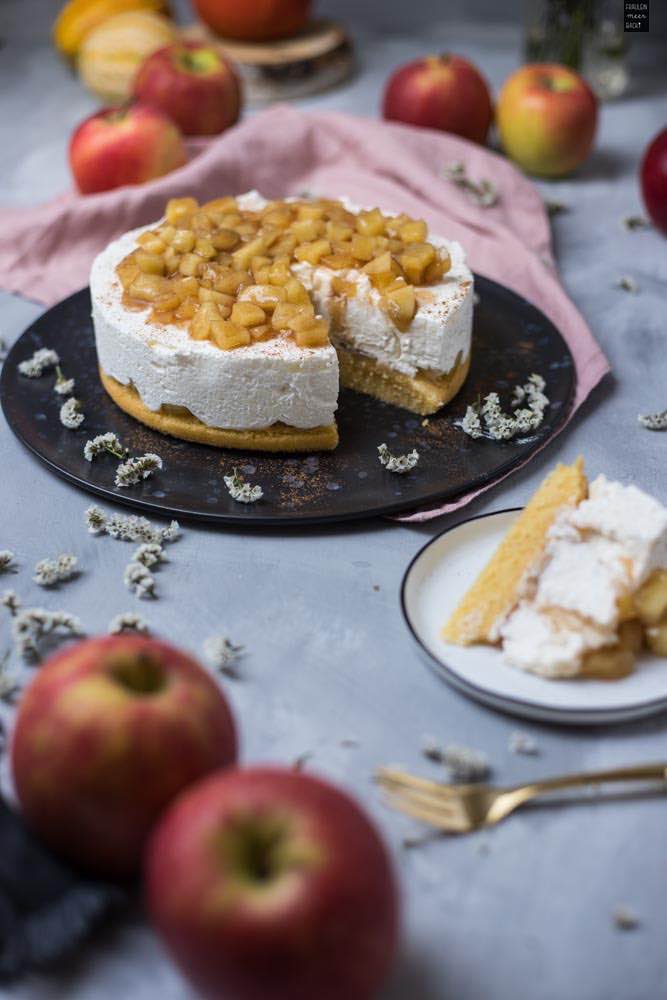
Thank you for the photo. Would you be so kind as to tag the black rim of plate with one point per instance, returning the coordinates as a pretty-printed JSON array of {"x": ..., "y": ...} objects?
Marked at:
[
  {"x": 509, "y": 703},
  {"x": 539, "y": 335}
]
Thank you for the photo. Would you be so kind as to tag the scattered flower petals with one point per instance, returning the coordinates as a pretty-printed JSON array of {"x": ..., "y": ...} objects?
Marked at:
[
  {"x": 222, "y": 654},
  {"x": 501, "y": 426},
  {"x": 33, "y": 625},
  {"x": 524, "y": 744},
  {"x": 6, "y": 561},
  {"x": 64, "y": 386},
  {"x": 49, "y": 572},
  {"x": 654, "y": 421},
  {"x": 625, "y": 919},
  {"x": 149, "y": 554},
  {"x": 241, "y": 491},
  {"x": 71, "y": 416},
  {"x": 139, "y": 579},
  {"x": 128, "y": 621},
  {"x": 108, "y": 442},
  {"x": 10, "y": 601},
  {"x": 627, "y": 284},
  {"x": 634, "y": 222},
  {"x": 41, "y": 361},
  {"x": 463, "y": 763},
  {"x": 133, "y": 470},
  {"x": 471, "y": 423},
  {"x": 482, "y": 192},
  {"x": 129, "y": 528},
  {"x": 397, "y": 463}
]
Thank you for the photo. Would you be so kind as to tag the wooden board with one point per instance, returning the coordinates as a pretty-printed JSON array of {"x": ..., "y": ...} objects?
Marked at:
[{"x": 317, "y": 58}]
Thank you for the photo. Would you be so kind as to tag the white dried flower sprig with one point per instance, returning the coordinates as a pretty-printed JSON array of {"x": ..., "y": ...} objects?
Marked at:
[
  {"x": 463, "y": 764},
  {"x": 64, "y": 386},
  {"x": 128, "y": 621},
  {"x": 10, "y": 601},
  {"x": 132, "y": 471},
  {"x": 635, "y": 222},
  {"x": 483, "y": 192},
  {"x": 627, "y": 284},
  {"x": 241, "y": 491},
  {"x": 522, "y": 743},
  {"x": 140, "y": 580},
  {"x": 487, "y": 415},
  {"x": 149, "y": 554},
  {"x": 71, "y": 416},
  {"x": 625, "y": 918},
  {"x": 108, "y": 442},
  {"x": 7, "y": 563},
  {"x": 222, "y": 654},
  {"x": 49, "y": 572},
  {"x": 41, "y": 361},
  {"x": 32, "y": 625},
  {"x": 129, "y": 528},
  {"x": 397, "y": 463},
  {"x": 654, "y": 421}
]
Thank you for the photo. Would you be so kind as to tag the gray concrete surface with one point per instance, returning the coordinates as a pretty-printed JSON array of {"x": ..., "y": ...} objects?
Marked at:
[{"x": 523, "y": 911}]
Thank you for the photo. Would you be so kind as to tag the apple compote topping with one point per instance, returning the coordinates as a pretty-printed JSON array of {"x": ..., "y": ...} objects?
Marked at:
[{"x": 226, "y": 272}]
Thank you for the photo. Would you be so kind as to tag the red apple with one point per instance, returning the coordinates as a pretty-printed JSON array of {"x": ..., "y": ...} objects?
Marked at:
[
  {"x": 109, "y": 731},
  {"x": 445, "y": 92},
  {"x": 269, "y": 884},
  {"x": 127, "y": 145},
  {"x": 257, "y": 21},
  {"x": 547, "y": 115},
  {"x": 654, "y": 180},
  {"x": 194, "y": 84}
]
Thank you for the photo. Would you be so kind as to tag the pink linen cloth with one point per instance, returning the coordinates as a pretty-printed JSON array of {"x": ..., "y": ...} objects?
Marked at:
[{"x": 46, "y": 252}]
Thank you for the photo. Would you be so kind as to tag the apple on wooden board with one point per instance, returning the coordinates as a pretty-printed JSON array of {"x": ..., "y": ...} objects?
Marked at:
[
  {"x": 445, "y": 92},
  {"x": 125, "y": 145},
  {"x": 270, "y": 884},
  {"x": 254, "y": 20},
  {"x": 547, "y": 116},
  {"x": 108, "y": 732},
  {"x": 194, "y": 84},
  {"x": 653, "y": 175}
]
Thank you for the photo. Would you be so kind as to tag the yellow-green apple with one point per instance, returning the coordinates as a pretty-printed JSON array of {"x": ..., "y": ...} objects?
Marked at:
[
  {"x": 109, "y": 731},
  {"x": 445, "y": 92},
  {"x": 127, "y": 145},
  {"x": 268, "y": 884},
  {"x": 653, "y": 175},
  {"x": 257, "y": 21},
  {"x": 547, "y": 115},
  {"x": 194, "y": 84}
]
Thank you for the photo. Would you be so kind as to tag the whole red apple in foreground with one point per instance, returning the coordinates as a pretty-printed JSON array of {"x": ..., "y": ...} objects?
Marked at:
[
  {"x": 194, "y": 84},
  {"x": 269, "y": 884},
  {"x": 654, "y": 180},
  {"x": 254, "y": 20},
  {"x": 445, "y": 92},
  {"x": 109, "y": 731},
  {"x": 128, "y": 145},
  {"x": 547, "y": 116}
]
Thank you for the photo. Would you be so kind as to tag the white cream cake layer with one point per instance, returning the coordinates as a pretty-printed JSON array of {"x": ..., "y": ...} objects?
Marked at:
[{"x": 596, "y": 553}]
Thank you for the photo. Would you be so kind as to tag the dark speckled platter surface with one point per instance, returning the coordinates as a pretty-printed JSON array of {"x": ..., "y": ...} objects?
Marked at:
[{"x": 511, "y": 339}]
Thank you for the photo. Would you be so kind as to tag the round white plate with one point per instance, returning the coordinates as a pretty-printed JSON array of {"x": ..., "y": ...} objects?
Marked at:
[{"x": 433, "y": 584}]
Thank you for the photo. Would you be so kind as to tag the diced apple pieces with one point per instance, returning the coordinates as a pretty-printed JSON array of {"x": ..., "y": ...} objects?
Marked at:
[
  {"x": 266, "y": 296},
  {"x": 179, "y": 210},
  {"x": 166, "y": 302},
  {"x": 231, "y": 282},
  {"x": 189, "y": 265},
  {"x": 313, "y": 333},
  {"x": 415, "y": 259},
  {"x": 414, "y": 231},
  {"x": 608, "y": 663},
  {"x": 187, "y": 309},
  {"x": 147, "y": 287},
  {"x": 382, "y": 270},
  {"x": 149, "y": 263},
  {"x": 296, "y": 292},
  {"x": 151, "y": 242},
  {"x": 338, "y": 261},
  {"x": 631, "y": 635},
  {"x": 247, "y": 314},
  {"x": 262, "y": 332},
  {"x": 308, "y": 230},
  {"x": 312, "y": 252},
  {"x": 401, "y": 304},
  {"x": 227, "y": 334},
  {"x": 362, "y": 247},
  {"x": 127, "y": 271},
  {"x": 342, "y": 287},
  {"x": 184, "y": 241},
  {"x": 371, "y": 223},
  {"x": 286, "y": 313},
  {"x": 651, "y": 598},
  {"x": 656, "y": 638},
  {"x": 204, "y": 248},
  {"x": 245, "y": 253},
  {"x": 225, "y": 239}
]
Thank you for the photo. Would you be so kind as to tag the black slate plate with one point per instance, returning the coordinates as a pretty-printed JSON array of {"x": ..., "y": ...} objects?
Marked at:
[{"x": 512, "y": 338}]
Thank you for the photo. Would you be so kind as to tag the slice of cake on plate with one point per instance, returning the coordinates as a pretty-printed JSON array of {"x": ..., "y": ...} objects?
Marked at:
[
  {"x": 233, "y": 323},
  {"x": 579, "y": 583}
]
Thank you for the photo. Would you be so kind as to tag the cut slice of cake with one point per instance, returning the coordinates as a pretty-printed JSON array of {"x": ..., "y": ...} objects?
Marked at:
[{"x": 578, "y": 585}]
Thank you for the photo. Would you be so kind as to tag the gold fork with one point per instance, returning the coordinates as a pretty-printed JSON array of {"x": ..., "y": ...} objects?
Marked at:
[{"x": 462, "y": 808}]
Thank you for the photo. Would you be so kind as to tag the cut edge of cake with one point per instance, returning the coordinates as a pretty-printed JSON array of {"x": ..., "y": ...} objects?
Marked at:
[{"x": 497, "y": 588}]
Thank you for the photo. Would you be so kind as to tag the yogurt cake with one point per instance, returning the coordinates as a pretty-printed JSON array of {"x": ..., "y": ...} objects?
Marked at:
[
  {"x": 579, "y": 584},
  {"x": 233, "y": 323}
]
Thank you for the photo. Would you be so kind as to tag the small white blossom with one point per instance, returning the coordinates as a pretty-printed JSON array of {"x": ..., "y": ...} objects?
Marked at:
[
  {"x": 240, "y": 490},
  {"x": 222, "y": 654},
  {"x": 133, "y": 470},
  {"x": 108, "y": 442},
  {"x": 10, "y": 601},
  {"x": 129, "y": 528},
  {"x": 71, "y": 416},
  {"x": 471, "y": 423},
  {"x": 523, "y": 743},
  {"x": 149, "y": 554},
  {"x": 128, "y": 621},
  {"x": 397, "y": 463},
  {"x": 462, "y": 763},
  {"x": 139, "y": 579},
  {"x": 654, "y": 421},
  {"x": 40, "y": 361},
  {"x": 33, "y": 625},
  {"x": 6, "y": 561},
  {"x": 49, "y": 572},
  {"x": 483, "y": 192},
  {"x": 500, "y": 426},
  {"x": 625, "y": 919},
  {"x": 64, "y": 386}
]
